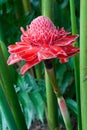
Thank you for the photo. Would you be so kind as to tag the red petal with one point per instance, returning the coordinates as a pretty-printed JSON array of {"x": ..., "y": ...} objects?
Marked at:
[
  {"x": 49, "y": 52},
  {"x": 28, "y": 65},
  {"x": 45, "y": 54},
  {"x": 13, "y": 58},
  {"x": 56, "y": 50},
  {"x": 22, "y": 43},
  {"x": 66, "y": 40},
  {"x": 62, "y": 33},
  {"x": 64, "y": 60},
  {"x": 23, "y": 31},
  {"x": 29, "y": 54},
  {"x": 18, "y": 48},
  {"x": 28, "y": 57},
  {"x": 70, "y": 50}
]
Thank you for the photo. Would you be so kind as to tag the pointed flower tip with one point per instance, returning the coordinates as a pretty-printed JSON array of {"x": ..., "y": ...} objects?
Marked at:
[
  {"x": 9, "y": 62},
  {"x": 41, "y": 41}
]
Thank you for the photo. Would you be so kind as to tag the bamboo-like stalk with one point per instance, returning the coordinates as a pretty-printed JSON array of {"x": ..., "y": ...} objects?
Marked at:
[
  {"x": 83, "y": 62},
  {"x": 47, "y": 8},
  {"x": 4, "y": 107},
  {"x": 52, "y": 111},
  {"x": 52, "y": 115},
  {"x": 61, "y": 101},
  {"x": 26, "y": 5},
  {"x": 8, "y": 89},
  {"x": 76, "y": 63}
]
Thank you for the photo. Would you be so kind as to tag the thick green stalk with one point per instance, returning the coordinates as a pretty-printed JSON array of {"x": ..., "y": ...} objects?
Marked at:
[
  {"x": 52, "y": 116},
  {"x": 51, "y": 98},
  {"x": 47, "y": 8},
  {"x": 26, "y": 5},
  {"x": 61, "y": 101},
  {"x": 83, "y": 62},
  {"x": 76, "y": 62},
  {"x": 8, "y": 89},
  {"x": 4, "y": 107}
]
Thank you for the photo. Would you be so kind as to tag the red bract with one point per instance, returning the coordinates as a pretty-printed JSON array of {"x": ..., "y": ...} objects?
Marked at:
[{"x": 41, "y": 41}]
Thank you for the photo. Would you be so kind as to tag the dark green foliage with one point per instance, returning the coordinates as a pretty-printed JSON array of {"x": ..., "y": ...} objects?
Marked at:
[
  {"x": 31, "y": 97},
  {"x": 3, "y": 1},
  {"x": 72, "y": 105}
]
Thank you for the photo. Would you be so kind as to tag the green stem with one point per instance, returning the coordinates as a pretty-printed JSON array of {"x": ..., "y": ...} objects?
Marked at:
[
  {"x": 83, "y": 62},
  {"x": 4, "y": 107},
  {"x": 8, "y": 89},
  {"x": 51, "y": 98},
  {"x": 76, "y": 63},
  {"x": 51, "y": 105},
  {"x": 61, "y": 101},
  {"x": 38, "y": 71},
  {"x": 47, "y": 8},
  {"x": 26, "y": 5}
]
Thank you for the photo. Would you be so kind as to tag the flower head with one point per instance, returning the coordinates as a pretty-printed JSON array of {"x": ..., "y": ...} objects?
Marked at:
[{"x": 41, "y": 41}]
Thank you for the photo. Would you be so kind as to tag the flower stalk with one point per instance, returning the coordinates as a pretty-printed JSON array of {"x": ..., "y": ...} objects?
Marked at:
[
  {"x": 52, "y": 112},
  {"x": 60, "y": 99},
  {"x": 52, "y": 116},
  {"x": 76, "y": 63},
  {"x": 83, "y": 62}
]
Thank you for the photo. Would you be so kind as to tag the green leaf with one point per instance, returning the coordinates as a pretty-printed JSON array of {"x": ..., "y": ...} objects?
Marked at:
[
  {"x": 26, "y": 82},
  {"x": 4, "y": 124},
  {"x": 41, "y": 88},
  {"x": 27, "y": 106},
  {"x": 21, "y": 83},
  {"x": 30, "y": 80},
  {"x": 72, "y": 105},
  {"x": 67, "y": 80},
  {"x": 0, "y": 121},
  {"x": 6, "y": 113},
  {"x": 38, "y": 103},
  {"x": 71, "y": 63},
  {"x": 32, "y": 103},
  {"x": 61, "y": 69}
]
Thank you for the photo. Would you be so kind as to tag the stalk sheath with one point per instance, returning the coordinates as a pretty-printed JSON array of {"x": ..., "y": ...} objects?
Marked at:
[
  {"x": 83, "y": 62},
  {"x": 60, "y": 99}
]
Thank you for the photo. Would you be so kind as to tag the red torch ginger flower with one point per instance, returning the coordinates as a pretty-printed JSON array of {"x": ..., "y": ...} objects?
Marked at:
[{"x": 41, "y": 41}]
